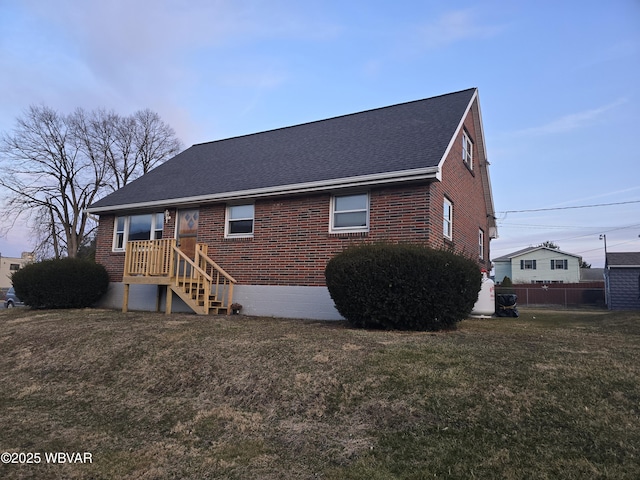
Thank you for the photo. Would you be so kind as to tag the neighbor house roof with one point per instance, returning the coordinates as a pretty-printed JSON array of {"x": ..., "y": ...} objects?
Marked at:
[
  {"x": 402, "y": 142},
  {"x": 623, "y": 259},
  {"x": 524, "y": 251}
]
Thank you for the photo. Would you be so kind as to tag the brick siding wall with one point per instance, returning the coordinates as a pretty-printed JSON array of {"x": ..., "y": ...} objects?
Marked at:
[
  {"x": 291, "y": 244},
  {"x": 113, "y": 262},
  {"x": 463, "y": 187}
]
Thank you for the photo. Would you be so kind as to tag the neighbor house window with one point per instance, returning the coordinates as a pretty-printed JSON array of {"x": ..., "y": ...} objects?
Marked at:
[
  {"x": 559, "y": 265},
  {"x": 239, "y": 220},
  {"x": 137, "y": 227},
  {"x": 467, "y": 149},
  {"x": 481, "y": 244},
  {"x": 14, "y": 267},
  {"x": 350, "y": 213},
  {"x": 527, "y": 264},
  {"x": 447, "y": 219}
]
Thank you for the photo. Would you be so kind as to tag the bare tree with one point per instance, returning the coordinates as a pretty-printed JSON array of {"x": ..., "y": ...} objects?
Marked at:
[
  {"x": 550, "y": 244},
  {"x": 155, "y": 141},
  {"x": 54, "y": 166}
]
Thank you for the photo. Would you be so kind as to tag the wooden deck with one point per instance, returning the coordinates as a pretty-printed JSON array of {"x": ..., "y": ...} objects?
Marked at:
[{"x": 200, "y": 282}]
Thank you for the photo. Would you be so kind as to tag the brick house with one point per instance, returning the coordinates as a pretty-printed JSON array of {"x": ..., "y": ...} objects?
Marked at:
[{"x": 265, "y": 212}]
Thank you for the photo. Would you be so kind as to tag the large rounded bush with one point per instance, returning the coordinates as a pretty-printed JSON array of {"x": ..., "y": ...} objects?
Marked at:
[
  {"x": 405, "y": 287},
  {"x": 62, "y": 283}
]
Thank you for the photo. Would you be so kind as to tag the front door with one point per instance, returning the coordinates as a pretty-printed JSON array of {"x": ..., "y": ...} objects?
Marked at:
[{"x": 188, "y": 231}]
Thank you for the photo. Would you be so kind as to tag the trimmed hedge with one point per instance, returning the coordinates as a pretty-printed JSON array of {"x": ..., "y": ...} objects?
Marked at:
[
  {"x": 61, "y": 283},
  {"x": 403, "y": 287}
]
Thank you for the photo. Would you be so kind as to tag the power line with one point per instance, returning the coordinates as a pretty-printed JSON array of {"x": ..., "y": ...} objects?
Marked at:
[
  {"x": 597, "y": 230},
  {"x": 610, "y": 246},
  {"x": 538, "y": 226},
  {"x": 569, "y": 208}
]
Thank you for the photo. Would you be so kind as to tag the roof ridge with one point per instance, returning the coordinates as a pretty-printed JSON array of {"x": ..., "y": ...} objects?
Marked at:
[
  {"x": 382, "y": 145},
  {"x": 345, "y": 115}
]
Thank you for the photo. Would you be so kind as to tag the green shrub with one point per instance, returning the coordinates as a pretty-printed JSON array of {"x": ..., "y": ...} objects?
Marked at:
[
  {"x": 404, "y": 287},
  {"x": 506, "y": 286},
  {"x": 62, "y": 283}
]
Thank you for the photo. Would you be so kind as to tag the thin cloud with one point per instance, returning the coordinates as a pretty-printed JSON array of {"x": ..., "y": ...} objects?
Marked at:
[
  {"x": 572, "y": 121},
  {"x": 455, "y": 26},
  {"x": 131, "y": 44},
  {"x": 618, "y": 194}
]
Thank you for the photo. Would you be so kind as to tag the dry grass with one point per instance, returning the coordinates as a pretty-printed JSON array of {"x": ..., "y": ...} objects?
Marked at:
[{"x": 151, "y": 397}]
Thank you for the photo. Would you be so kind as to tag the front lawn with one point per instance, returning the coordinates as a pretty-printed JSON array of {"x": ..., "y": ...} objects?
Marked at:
[{"x": 544, "y": 396}]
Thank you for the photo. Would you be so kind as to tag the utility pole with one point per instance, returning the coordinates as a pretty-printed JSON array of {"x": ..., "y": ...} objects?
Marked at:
[
  {"x": 606, "y": 276},
  {"x": 604, "y": 237}
]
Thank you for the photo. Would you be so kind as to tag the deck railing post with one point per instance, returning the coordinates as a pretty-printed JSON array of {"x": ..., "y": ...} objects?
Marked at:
[
  {"x": 127, "y": 260},
  {"x": 162, "y": 258},
  {"x": 229, "y": 298}
]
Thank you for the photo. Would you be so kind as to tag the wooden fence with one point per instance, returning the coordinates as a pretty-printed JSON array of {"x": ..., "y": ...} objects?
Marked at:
[{"x": 566, "y": 295}]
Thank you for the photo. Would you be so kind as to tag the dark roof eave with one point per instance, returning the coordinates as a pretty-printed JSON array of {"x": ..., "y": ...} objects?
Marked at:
[{"x": 428, "y": 173}]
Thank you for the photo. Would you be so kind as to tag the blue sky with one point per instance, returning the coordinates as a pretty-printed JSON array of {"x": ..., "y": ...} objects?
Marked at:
[{"x": 559, "y": 86}]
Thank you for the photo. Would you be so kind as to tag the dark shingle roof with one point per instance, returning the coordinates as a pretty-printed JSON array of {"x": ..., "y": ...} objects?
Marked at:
[
  {"x": 623, "y": 259},
  {"x": 407, "y": 136}
]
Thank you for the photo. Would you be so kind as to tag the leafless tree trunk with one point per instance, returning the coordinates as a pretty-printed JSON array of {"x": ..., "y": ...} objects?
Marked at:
[{"x": 54, "y": 166}]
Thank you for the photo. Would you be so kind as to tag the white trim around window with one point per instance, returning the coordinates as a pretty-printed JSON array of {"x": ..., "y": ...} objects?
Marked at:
[
  {"x": 467, "y": 149},
  {"x": 481, "y": 243},
  {"x": 239, "y": 221},
  {"x": 349, "y": 213},
  {"x": 146, "y": 226},
  {"x": 447, "y": 218}
]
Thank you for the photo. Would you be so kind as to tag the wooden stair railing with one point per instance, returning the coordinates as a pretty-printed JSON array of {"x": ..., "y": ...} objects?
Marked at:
[
  {"x": 191, "y": 283},
  {"x": 201, "y": 283},
  {"x": 222, "y": 282}
]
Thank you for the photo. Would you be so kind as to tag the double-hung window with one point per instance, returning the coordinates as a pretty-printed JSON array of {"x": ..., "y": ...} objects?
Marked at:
[
  {"x": 481, "y": 244},
  {"x": 467, "y": 150},
  {"x": 559, "y": 264},
  {"x": 350, "y": 213},
  {"x": 527, "y": 265},
  {"x": 137, "y": 227},
  {"x": 447, "y": 219},
  {"x": 239, "y": 222}
]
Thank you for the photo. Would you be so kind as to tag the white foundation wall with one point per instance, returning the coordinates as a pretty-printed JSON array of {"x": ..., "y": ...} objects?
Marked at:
[
  {"x": 285, "y": 301},
  {"x": 258, "y": 300},
  {"x": 141, "y": 297}
]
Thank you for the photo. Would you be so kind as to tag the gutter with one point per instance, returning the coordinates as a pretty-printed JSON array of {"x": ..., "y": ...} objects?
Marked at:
[{"x": 427, "y": 173}]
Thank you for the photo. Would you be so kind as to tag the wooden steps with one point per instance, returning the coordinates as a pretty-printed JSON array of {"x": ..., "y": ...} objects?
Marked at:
[
  {"x": 199, "y": 281},
  {"x": 194, "y": 296}
]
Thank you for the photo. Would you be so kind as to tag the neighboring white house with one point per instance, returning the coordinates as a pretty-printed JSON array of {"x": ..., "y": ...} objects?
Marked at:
[
  {"x": 8, "y": 265},
  {"x": 538, "y": 265}
]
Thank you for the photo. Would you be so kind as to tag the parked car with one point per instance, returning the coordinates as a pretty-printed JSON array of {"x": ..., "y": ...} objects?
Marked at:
[{"x": 11, "y": 299}]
